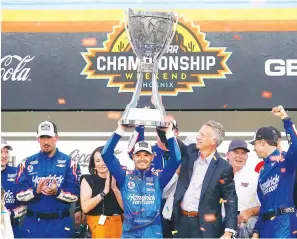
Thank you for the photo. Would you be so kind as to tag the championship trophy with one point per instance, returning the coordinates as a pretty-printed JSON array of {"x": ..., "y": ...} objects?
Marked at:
[{"x": 150, "y": 34}]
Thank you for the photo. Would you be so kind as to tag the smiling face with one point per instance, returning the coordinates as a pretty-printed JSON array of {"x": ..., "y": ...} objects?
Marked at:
[
  {"x": 206, "y": 138},
  {"x": 100, "y": 166},
  {"x": 4, "y": 157},
  {"x": 142, "y": 160},
  {"x": 260, "y": 148},
  {"x": 237, "y": 158}
]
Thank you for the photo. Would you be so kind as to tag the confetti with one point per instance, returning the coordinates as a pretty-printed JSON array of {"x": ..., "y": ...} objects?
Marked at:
[
  {"x": 174, "y": 232},
  {"x": 294, "y": 232},
  {"x": 272, "y": 218},
  {"x": 266, "y": 94},
  {"x": 210, "y": 217},
  {"x": 283, "y": 170},
  {"x": 202, "y": 229},
  {"x": 222, "y": 181},
  {"x": 252, "y": 199},
  {"x": 225, "y": 106},
  {"x": 89, "y": 41},
  {"x": 237, "y": 37},
  {"x": 227, "y": 28},
  {"x": 61, "y": 101},
  {"x": 114, "y": 115},
  {"x": 223, "y": 201}
]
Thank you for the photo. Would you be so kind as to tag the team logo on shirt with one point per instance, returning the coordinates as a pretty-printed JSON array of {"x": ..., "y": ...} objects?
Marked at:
[
  {"x": 8, "y": 197},
  {"x": 11, "y": 177},
  {"x": 244, "y": 184},
  {"x": 30, "y": 168},
  {"x": 131, "y": 185},
  {"x": 144, "y": 199},
  {"x": 34, "y": 162},
  {"x": 59, "y": 179},
  {"x": 270, "y": 185}
]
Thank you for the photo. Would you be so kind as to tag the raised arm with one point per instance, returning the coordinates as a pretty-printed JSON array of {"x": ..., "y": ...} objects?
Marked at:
[
  {"x": 291, "y": 132},
  {"x": 174, "y": 160},
  {"x": 110, "y": 159}
]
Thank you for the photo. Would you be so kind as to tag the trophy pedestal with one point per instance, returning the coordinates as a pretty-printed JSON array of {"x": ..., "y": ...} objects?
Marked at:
[{"x": 143, "y": 116}]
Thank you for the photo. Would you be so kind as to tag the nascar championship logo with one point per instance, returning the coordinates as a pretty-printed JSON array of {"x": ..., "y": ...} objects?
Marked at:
[{"x": 188, "y": 61}]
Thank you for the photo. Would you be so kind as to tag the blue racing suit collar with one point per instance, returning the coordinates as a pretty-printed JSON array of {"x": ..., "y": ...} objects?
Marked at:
[
  {"x": 274, "y": 153},
  {"x": 142, "y": 173}
]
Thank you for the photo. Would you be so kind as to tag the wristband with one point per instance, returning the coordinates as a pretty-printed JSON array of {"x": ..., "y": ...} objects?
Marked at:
[{"x": 102, "y": 194}]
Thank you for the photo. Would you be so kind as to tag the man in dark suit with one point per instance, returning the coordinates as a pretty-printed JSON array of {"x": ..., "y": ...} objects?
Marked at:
[{"x": 205, "y": 181}]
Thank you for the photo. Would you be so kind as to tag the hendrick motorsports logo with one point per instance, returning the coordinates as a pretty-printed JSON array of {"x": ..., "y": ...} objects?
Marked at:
[{"x": 188, "y": 61}]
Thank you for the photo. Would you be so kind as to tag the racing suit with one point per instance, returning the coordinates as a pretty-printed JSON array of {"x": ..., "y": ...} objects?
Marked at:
[
  {"x": 277, "y": 218},
  {"x": 141, "y": 190},
  {"x": 48, "y": 215},
  {"x": 160, "y": 160},
  {"x": 16, "y": 209}
]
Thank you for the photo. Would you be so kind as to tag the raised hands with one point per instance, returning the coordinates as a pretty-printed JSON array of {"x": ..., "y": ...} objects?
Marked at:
[
  {"x": 279, "y": 111},
  {"x": 107, "y": 184}
]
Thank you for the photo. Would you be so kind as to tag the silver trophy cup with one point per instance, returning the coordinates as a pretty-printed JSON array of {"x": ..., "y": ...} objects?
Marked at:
[{"x": 150, "y": 34}]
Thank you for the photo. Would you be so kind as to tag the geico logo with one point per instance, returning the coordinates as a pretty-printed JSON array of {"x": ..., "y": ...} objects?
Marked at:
[
  {"x": 279, "y": 67},
  {"x": 59, "y": 179}
]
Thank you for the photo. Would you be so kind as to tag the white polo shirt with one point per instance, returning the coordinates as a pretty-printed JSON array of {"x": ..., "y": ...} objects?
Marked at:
[{"x": 246, "y": 181}]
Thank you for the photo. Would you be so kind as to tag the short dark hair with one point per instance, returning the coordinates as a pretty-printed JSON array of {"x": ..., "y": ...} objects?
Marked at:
[
  {"x": 271, "y": 143},
  {"x": 92, "y": 169},
  {"x": 279, "y": 135}
]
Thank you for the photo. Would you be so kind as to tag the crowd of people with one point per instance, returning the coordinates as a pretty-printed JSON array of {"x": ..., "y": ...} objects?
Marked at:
[{"x": 176, "y": 190}]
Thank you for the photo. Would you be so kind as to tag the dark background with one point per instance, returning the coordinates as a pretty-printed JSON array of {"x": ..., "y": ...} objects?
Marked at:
[{"x": 55, "y": 73}]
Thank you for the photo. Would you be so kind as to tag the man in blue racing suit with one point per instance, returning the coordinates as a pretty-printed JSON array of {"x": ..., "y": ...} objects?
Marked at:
[
  {"x": 141, "y": 188},
  {"x": 48, "y": 182},
  {"x": 277, "y": 218},
  {"x": 8, "y": 175},
  {"x": 162, "y": 155}
]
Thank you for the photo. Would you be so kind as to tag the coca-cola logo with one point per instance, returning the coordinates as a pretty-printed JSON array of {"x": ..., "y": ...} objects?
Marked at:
[
  {"x": 82, "y": 159},
  {"x": 14, "y": 68}
]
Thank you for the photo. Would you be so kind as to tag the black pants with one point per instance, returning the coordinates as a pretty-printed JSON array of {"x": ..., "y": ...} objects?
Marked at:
[
  {"x": 188, "y": 227},
  {"x": 167, "y": 225},
  {"x": 167, "y": 228}
]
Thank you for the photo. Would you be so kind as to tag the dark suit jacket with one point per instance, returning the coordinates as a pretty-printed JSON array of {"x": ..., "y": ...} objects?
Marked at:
[{"x": 218, "y": 184}]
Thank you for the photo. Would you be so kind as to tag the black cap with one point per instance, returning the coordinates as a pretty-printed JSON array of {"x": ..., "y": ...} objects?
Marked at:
[
  {"x": 238, "y": 144},
  {"x": 277, "y": 132},
  {"x": 266, "y": 133}
]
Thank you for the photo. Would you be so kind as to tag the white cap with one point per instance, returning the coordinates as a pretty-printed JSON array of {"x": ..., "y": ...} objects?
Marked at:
[
  {"x": 5, "y": 144},
  {"x": 143, "y": 146},
  {"x": 46, "y": 128}
]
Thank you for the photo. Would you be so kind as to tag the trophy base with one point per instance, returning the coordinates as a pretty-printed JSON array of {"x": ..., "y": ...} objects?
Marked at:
[{"x": 145, "y": 117}]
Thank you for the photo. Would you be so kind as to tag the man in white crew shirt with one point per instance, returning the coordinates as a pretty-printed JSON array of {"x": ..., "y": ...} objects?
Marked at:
[{"x": 246, "y": 181}]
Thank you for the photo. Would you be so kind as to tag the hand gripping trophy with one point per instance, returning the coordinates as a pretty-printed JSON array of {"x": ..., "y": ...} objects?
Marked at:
[{"x": 150, "y": 34}]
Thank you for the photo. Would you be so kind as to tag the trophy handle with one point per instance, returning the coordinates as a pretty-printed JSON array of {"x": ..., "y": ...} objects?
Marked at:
[
  {"x": 135, "y": 97},
  {"x": 158, "y": 104}
]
